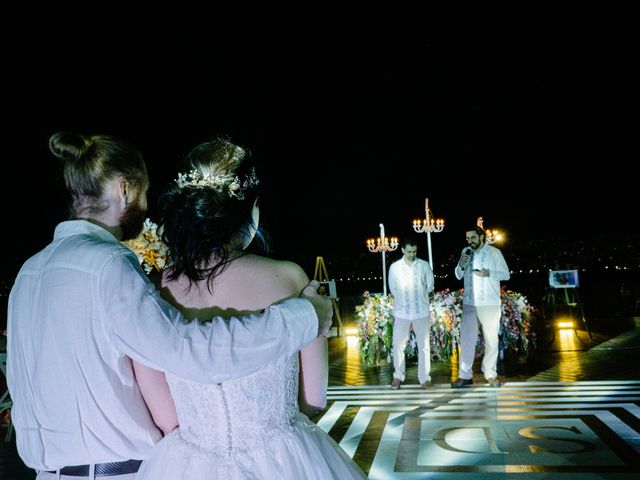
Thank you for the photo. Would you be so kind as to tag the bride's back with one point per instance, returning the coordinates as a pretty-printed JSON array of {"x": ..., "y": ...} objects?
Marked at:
[
  {"x": 237, "y": 415},
  {"x": 242, "y": 413}
]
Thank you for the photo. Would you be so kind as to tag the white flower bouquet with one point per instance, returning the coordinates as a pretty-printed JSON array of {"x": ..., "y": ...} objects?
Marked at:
[{"x": 149, "y": 248}]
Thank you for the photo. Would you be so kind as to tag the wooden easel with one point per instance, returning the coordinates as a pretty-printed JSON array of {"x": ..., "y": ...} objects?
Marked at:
[
  {"x": 320, "y": 274},
  {"x": 559, "y": 299}
]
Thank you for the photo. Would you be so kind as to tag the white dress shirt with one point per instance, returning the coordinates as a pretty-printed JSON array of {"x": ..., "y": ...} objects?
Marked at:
[
  {"x": 483, "y": 291},
  {"x": 77, "y": 311},
  {"x": 410, "y": 286}
]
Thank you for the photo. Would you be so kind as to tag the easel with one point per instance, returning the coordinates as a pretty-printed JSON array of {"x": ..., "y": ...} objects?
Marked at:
[
  {"x": 557, "y": 297},
  {"x": 320, "y": 274}
]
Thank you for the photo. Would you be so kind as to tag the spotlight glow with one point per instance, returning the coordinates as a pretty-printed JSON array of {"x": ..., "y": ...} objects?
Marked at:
[{"x": 565, "y": 324}]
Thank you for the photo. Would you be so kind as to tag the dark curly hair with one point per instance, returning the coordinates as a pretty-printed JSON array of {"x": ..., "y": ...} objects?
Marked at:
[{"x": 203, "y": 224}]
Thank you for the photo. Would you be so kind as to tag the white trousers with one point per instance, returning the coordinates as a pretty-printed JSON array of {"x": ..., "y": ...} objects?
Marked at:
[
  {"x": 489, "y": 319},
  {"x": 421, "y": 328}
]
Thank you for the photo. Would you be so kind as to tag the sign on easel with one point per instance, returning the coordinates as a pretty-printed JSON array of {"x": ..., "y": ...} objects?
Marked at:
[
  {"x": 563, "y": 279},
  {"x": 327, "y": 288}
]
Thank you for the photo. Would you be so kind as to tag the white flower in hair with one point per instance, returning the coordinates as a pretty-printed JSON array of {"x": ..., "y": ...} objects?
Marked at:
[
  {"x": 235, "y": 188},
  {"x": 195, "y": 178}
]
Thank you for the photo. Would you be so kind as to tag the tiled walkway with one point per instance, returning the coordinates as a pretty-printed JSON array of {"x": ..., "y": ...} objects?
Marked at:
[
  {"x": 555, "y": 428},
  {"x": 570, "y": 410}
]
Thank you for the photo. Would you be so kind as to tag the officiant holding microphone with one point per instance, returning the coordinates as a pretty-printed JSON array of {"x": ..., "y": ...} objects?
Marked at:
[{"x": 482, "y": 267}]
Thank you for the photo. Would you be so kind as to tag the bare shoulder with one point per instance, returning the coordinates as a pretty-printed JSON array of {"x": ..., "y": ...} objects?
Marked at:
[
  {"x": 250, "y": 282},
  {"x": 288, "y": 275}
]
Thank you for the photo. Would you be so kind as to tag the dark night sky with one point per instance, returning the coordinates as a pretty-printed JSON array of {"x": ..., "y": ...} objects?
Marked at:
[{"x": 349, "y": 135}]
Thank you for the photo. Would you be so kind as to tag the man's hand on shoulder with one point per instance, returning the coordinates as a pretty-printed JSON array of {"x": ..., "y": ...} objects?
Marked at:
[{"x": 322, "y": 305}]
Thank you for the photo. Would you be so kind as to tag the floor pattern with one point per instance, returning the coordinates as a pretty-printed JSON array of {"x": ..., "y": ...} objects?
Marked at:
[{"x": 522, "y": 430}]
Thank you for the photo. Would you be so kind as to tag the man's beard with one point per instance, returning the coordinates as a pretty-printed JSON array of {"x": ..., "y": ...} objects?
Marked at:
[
  {"x": 132, "y": 221},
  {"x": 476, "y": 245}
]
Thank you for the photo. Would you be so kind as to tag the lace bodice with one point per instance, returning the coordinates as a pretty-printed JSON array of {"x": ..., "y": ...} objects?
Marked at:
[{"x": 240, "y": 414}]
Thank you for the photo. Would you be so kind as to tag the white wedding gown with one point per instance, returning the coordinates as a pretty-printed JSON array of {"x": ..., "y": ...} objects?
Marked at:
[{"x": 250, "y": 428}]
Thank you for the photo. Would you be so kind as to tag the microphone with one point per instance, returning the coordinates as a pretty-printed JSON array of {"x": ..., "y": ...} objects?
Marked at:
[{"x": 468, "y": 252}]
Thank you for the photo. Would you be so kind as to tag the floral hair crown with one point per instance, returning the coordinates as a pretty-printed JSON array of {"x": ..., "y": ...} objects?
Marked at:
[{"x": 235, "y": 188}]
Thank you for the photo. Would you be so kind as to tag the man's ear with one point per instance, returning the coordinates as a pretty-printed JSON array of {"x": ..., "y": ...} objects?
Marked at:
[{"x": 125, "y": 190}]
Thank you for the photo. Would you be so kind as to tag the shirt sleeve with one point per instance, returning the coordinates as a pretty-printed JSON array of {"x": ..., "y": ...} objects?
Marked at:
[
  {"x": 429, "y": 281},
  {"x": 392, "y": 280},
  {"x": 151, "y": 331},
  {"x": 459, "y": 272},
  {"x": 500, "y": 271}
]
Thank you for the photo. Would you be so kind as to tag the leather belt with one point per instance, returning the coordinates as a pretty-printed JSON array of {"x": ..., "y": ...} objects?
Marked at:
[{"x": 101, "y": 469}]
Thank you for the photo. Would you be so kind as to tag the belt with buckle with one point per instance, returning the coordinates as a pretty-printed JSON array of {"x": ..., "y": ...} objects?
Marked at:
[{"x": 101, "y": 469}]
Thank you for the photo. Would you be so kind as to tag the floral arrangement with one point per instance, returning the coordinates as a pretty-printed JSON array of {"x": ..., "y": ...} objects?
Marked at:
[
  {"x": 149, "y": 247},
  {"x": 375, "y": 325},
  {"x": 515, "y": 324}
]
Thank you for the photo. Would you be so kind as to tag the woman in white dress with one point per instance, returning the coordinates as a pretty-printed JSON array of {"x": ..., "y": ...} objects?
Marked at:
[{"x": 253, "y": 427}]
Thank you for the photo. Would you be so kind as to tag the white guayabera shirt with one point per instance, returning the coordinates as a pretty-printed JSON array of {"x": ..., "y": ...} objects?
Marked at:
[
  {"x": 410, "y": 287},
  {"x": 78, "y": 310},
  {"x": 483, "y": 291}
]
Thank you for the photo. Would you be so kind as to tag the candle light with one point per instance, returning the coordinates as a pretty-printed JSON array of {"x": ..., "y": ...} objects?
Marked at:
[
  {"x": 429, "y": 226},
  {"x": 383, "y": 245}
]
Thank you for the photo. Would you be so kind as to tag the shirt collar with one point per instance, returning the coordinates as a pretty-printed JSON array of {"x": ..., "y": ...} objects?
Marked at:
[{"x": 82, "y": 227}]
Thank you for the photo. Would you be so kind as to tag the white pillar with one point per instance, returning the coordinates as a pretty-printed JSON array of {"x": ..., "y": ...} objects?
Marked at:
[{"x": 384, "y": 263}]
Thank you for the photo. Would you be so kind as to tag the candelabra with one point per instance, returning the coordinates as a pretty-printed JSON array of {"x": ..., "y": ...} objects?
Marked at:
[
  {"x": 428, "y": 225},
  {"x": 383, "y": 244},
  {"x": 491, "y": 236}
]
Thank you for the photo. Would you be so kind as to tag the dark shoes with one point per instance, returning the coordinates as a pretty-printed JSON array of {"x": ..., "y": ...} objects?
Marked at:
[
  {"x": 462, "y": 382},
  {"x": 397, "y": 382},
  {"x": 493, "y": 382}
]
